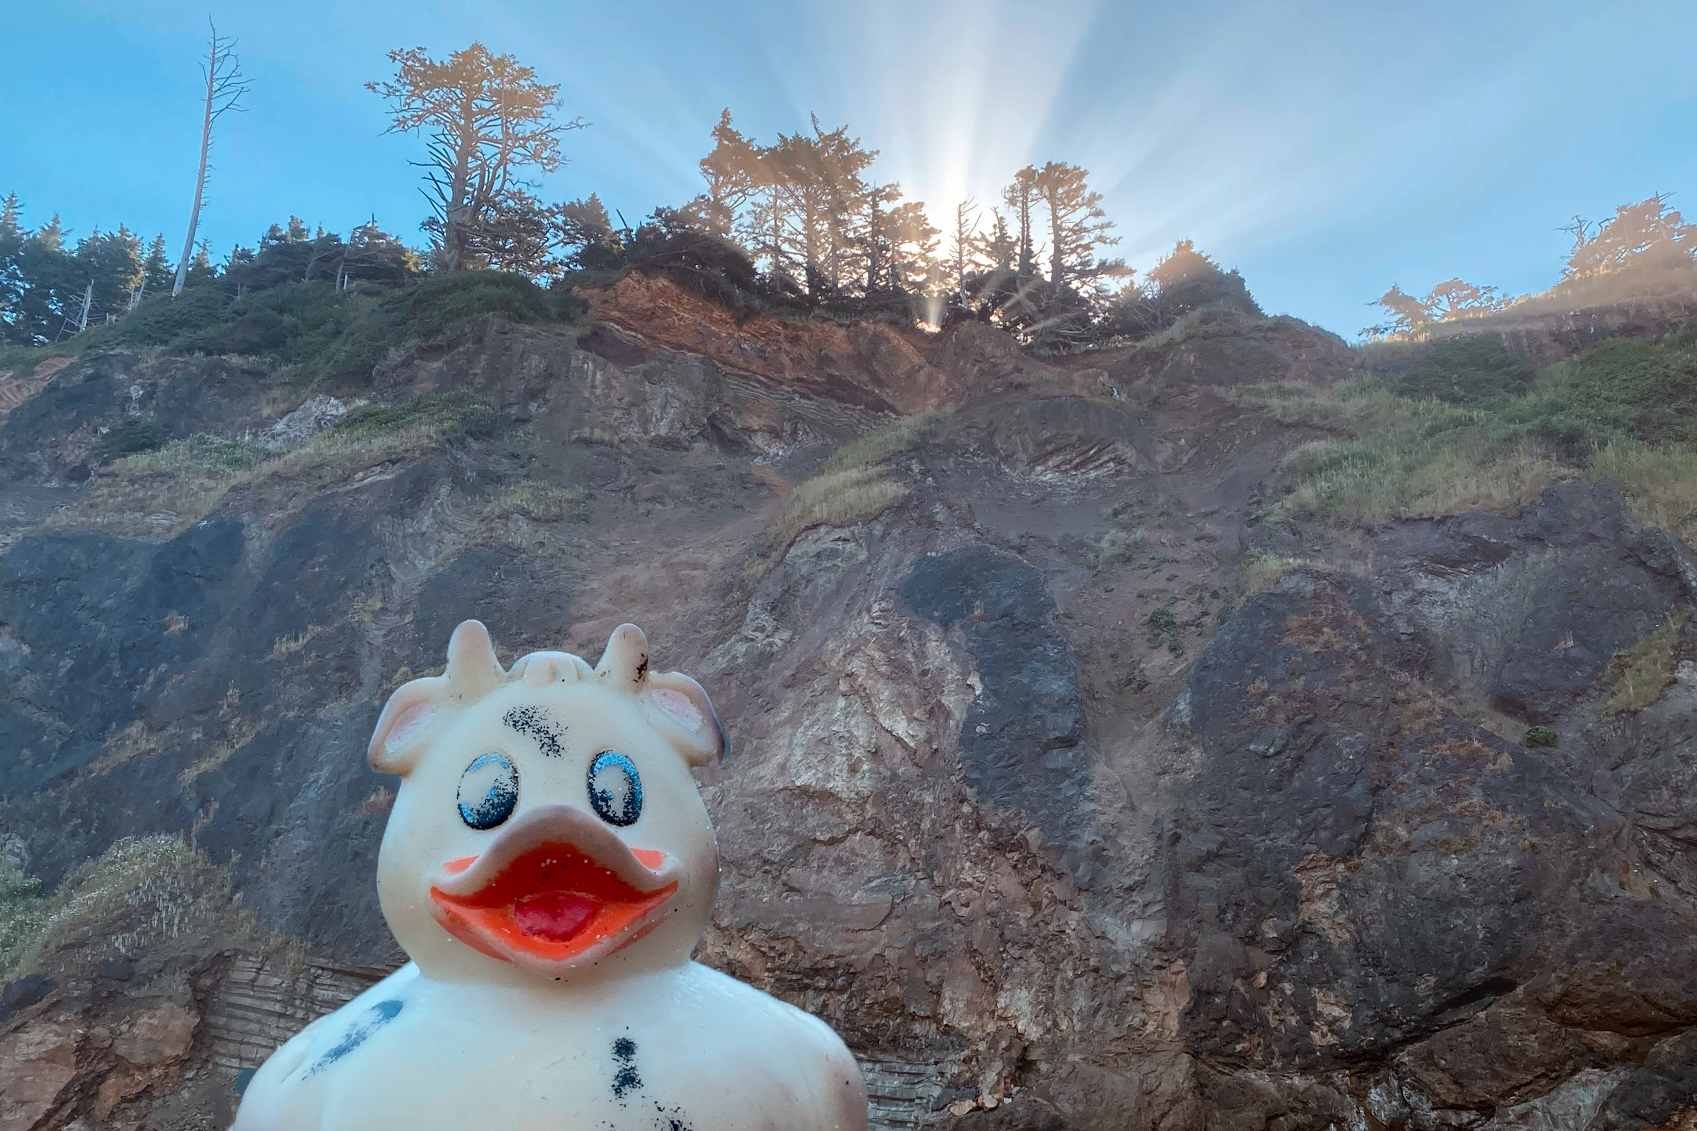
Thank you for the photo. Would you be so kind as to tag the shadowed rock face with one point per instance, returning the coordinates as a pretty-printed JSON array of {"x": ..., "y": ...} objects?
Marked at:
[{"x": 1059, "y": 838}]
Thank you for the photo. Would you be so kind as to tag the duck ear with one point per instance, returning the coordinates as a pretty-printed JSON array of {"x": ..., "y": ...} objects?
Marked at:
[
  {"x": 624, "y": 664},
  {"x": 681, "y": 711},
  {"x": 414, "y": 708}
]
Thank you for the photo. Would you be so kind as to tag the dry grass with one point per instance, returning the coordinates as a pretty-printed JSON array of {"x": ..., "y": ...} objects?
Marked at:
[
  {"x": 142, "y": 891},
  {"x": 849, "y": 487},
  {"x": 539, "y": 502},
  {"x": 837, "y": 499},
  {"x": 167, "y": 490},
  {"x": 1262, "y": 571},
  {"x": 1658, "y": 480},
  {"x": 901, "y": 436},
  {"x": 1646, "y": 670}
]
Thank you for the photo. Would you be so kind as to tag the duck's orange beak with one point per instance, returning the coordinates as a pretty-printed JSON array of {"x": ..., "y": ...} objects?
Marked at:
[{"x": 557, "y": 886}]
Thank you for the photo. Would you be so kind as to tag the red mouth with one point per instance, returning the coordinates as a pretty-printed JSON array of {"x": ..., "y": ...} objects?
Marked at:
[{"x": 539, "y": 897}]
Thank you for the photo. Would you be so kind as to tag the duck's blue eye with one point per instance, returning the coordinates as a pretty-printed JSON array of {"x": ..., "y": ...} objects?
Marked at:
[
  {"x": 615, "y": 789},
  {"x": 489, "y": 791}
]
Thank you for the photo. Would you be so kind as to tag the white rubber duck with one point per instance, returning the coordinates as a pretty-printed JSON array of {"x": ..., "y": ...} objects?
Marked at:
[{"x": 549, "y": 867}]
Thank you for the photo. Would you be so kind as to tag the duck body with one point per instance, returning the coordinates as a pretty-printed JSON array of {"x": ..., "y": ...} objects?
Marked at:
[{"x": 682, "y": 1049}]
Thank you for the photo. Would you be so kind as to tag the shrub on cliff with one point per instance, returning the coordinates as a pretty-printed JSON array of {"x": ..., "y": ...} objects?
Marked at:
[
  {"x": 432, "y": 307},
  {"x": 429, "y": 414},
  {"x": 1466, "y": 371}
]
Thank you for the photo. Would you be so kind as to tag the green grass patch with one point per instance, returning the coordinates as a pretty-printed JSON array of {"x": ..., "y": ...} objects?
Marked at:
[
  {"x": 1466, "y": 371},
  {"x": 323, "y": 335},
  {"x": 1646, "y": 669},
  {"x": 186, "y": 479},
  {"x": 131, "y": 436},
  {"x": 428, "y": 414},
  {"x": 1658, "y": 480},
  {"x": 837, "y": 499},
  {"x": 20, "y": 361},
  {"x": 849, "y": 487},
  {"x": 1624, "y": 413},
  {"x": 20, "y": 916},
  {"x": 1117, "y": 547}
]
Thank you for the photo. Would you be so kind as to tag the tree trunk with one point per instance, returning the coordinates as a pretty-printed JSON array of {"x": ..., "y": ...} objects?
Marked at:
[{"x": 200, "y": 177}]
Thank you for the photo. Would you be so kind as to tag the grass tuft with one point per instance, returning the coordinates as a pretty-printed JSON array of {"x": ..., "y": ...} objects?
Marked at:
[
  {"x": 539, "y": 502},
  {"x": 1646, "y": 669},
  {"x": 904, "y": 434},
  {"x": 138, "y": 893},
  {"x": 837, "y": 499},
  {"x": 20, "y": 915},
  {"x": 849, "y": 487},
  {"x": 1262, "y": 571}
]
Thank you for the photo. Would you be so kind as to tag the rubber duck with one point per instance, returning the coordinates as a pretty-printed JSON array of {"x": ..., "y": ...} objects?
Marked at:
[{"x": 548, "y": 866}]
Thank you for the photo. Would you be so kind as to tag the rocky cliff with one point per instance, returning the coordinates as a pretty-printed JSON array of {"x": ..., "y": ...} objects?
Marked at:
[{"x": 1056, "y": 821}]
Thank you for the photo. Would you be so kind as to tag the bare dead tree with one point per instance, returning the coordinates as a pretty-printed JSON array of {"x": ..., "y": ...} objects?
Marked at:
[
  {"x": 225, "y": 86},
  {"x": 961, "y": 243}
]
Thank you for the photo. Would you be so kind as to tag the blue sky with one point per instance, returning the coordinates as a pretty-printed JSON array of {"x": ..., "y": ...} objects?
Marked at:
[{"x": 1325, "y": 148}]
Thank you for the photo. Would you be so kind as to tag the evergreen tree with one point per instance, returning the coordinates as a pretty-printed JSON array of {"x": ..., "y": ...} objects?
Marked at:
[
  {"x": 1077, "y": 225},
  {"x": 732, "y": 173},
  {"x": 998, "y": 247},
  {"x": 112, "y": 262},
  {"x": 489, "y": 120},
  {"x": 12, "y": 238},
  {"x": 1186, "y": 280},
  {"x": 373, "y": 255},
  {"x": 587, "y": 233},
  {"x": 1646, "y": 236},
  {"x": 51, "y": 286},
  {"x": 156, "y": 272},
  {"x": 1021, "y": 196},
  {"x": 913, "y": 265}
]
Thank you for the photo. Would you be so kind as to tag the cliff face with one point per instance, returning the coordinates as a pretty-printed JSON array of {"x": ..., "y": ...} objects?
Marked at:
[{"x": 1056, "y": 824}]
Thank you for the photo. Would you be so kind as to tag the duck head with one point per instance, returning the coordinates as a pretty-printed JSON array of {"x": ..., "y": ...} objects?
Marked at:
[{"x": 547, "y": 824}]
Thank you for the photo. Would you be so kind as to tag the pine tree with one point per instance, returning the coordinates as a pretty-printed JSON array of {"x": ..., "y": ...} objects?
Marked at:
[
  {"x": 489, "y": 119},
  {"x": 373, "y": 255},
  {"x": 913, "y": 264},
  {"x": 1077, "y": 225},
  {"x": 732, "y": 172},
  {"x": 12, "y": 237},
  {"x": 999, "y": 247},
  {"x": 112, "y": 262},
  {"x": 49, "y": 286},
  {"x": 1021, "y": 196},
  {"x": 587, "y": 232},
  {"x": 156, "y": 270}
]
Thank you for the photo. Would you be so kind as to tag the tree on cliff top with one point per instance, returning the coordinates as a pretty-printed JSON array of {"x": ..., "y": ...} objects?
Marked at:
[{"x": 488, "y": 120}]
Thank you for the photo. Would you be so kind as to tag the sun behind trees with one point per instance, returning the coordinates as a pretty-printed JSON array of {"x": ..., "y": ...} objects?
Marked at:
[{"x": 801, "y": 225}]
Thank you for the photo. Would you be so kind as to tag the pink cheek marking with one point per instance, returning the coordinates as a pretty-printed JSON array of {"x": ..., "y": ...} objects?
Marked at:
[{"x": 454, "y": 866}]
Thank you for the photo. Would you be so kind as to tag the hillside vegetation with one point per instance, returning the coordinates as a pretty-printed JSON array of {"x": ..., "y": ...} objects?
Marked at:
[{"x": 1471, "y": 424}]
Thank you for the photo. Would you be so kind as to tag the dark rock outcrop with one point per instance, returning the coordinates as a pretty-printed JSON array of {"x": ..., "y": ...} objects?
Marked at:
[{"x": 1055, "y": 824}]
